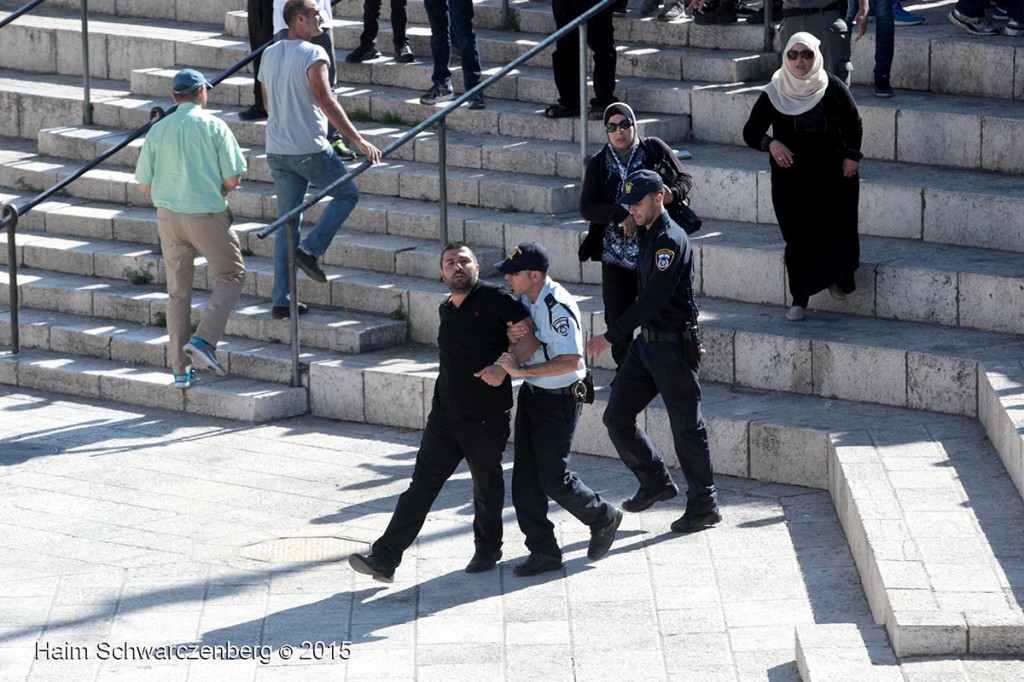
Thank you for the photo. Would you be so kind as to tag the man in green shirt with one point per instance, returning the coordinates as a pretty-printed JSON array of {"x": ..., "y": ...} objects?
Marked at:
[{"x": 189, "y": 163}]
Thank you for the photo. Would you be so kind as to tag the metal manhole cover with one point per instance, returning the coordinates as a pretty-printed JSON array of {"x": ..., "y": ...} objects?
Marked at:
[
  {"x": 28, "y": 450},
  {"x": 303, "y": 549}
]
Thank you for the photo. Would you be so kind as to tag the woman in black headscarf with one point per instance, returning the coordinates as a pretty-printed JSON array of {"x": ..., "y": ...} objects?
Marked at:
[
  {"x": 814, "y": 152},
  {"x": 611, "y": 239}
]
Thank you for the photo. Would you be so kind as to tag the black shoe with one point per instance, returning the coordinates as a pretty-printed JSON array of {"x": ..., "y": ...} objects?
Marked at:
[
  {"x": 253, "y": 113},
  {"x": 280, "y": 312},
  {"x": 601, "y": 539},
  {"x": 437, "y": 94},
  {"x": 882, "y": 87},
  {"x": 646, "y": 497},
  {"x": 620, "y": 8},
  {"x": 372, "y": 566},
  {"x": 307, "y": 262},
  {"x": 476, "y": 102},
  {"x": 716, "y": 12},
  {"x": 536, "y": 564},
  {"x": 362, "y": 53},
  {"x": 483, "y": 562},
  {"x": 691, "y": 523},
  {"x": 403, "y": 54}
]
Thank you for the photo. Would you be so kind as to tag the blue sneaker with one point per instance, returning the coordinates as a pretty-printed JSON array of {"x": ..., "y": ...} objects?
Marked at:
[
  {"x": 204, "y": 355},
  {"x": 902, "y": 17},
  {"x": 186, "y": 380}
]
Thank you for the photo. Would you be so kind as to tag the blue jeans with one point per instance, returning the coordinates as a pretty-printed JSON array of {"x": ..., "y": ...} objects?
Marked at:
[
  {"x": 885, "y": 33},
  {"x": 453, "y": 20},
  {"x": 292, "y": 175}
]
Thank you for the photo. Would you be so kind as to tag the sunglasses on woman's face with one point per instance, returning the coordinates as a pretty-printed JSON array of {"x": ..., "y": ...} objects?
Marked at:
[
  {"x": 624, "y": 124},
  {"x": 793, "y": 55}
]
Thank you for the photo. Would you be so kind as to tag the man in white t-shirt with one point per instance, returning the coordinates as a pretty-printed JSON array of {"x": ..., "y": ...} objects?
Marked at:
[{"x": 300, "y": 102}]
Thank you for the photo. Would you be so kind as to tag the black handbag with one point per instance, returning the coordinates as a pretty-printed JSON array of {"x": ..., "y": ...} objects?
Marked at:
[{"x": 679, "y": 211}]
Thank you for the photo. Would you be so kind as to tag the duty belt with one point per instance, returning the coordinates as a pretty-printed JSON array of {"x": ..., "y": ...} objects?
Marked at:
[
  {"x": 799, "y": 11},
  {"x": 651, "y": 336},
  {"x": 564, "y": 390}
]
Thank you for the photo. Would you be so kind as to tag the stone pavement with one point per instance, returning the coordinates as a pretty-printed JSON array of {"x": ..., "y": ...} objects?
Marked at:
[{"x": 177, "y": 532}]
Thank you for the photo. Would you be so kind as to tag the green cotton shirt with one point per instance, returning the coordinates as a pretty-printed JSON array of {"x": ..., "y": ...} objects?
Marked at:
[{"x": 186, "y": 157}]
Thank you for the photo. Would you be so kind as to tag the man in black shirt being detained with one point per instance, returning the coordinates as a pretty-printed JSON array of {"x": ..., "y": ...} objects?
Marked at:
[{"x": 469, "y": 417}]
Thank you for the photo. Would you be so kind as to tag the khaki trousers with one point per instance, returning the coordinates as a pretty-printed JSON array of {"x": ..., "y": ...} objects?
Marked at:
[{"x": 181, "y": 236}]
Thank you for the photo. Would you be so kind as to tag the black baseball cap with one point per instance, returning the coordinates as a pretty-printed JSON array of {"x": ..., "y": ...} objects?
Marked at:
[
  {"x": 638, "y": 185},
  {"x": 526, "y": 256}
]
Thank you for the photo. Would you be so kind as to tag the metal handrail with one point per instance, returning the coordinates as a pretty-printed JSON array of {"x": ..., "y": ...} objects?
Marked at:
[{"x": 24, "y": 9}]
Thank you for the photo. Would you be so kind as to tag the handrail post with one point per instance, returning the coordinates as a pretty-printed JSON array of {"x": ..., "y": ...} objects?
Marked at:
[
  {"x": 293, "y": 302},
  {"x": 10, "y": 216},
  {"x": 769, "y": 28},
  {"x": 86, "y": 76},
  {"x": 584, "y": 101},
  {"x": 442, "y": 180}
]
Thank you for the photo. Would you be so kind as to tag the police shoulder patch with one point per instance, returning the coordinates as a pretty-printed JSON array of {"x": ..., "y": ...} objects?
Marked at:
[
  {"x": 561, "y": 326},
  {"x": 663, "y": 258}
]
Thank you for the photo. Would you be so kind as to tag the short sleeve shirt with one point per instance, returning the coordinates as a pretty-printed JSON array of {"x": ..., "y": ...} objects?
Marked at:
[
  {"x": 471, "y": 337},
  {"x": 296, "y": 124},
  {"x": 186, "y": 157},
  {"x": 558, "y": 330}
]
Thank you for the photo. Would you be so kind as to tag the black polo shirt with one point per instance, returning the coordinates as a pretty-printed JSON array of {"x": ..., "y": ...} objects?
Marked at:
[{"x": 471, "y": 337}]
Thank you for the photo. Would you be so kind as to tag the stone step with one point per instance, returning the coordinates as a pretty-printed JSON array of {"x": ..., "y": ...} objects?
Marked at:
[
  {"x": 230, "y": 398},
  {"x": 345, "y": 331},
  {"x": 206, "y": 11},
  {"x": 845, "y": 651},
  {"x": 145, "y": 344},
  {"x": 498, "y": 48},
  {"x": 897, "y": 279}
]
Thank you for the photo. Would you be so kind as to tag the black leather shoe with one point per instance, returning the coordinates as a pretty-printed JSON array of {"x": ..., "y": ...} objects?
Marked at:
[
  {"x": 536, "y": 564},
  {"x": 646, "y": 497},
  {"x": 253, "y": 113},
  {"x": 403, "y": 54},
  {"x": 307, "y": 263},
  {"x": 691, "y": 523},
  {"x": 483, "y": 562},
  {"x": 280, "y": 312},
  {"x": 363, "y": 53},
  {"x": 372, "y": 566},
  {"x": 601, "y": 539}
]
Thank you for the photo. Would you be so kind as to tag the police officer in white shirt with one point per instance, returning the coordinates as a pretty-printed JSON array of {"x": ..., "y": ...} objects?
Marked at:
[{"x": 546, "y": 415}]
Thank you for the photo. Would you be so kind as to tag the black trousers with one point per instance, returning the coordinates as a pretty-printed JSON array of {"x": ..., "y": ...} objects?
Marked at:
[
  {"x": 371, "y": 22},
  {"x": 650, "y": 369},
  {"x": 443, "y": 446},
  {"x": 566, "y": 58},
  {"x": 261, "y": 30},
  {"x": 545, "y": 424},
  {"x": 618, "y": 289}
]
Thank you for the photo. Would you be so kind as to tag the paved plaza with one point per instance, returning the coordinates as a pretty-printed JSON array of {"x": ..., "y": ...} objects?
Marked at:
[{"x": 139, "y": 545}]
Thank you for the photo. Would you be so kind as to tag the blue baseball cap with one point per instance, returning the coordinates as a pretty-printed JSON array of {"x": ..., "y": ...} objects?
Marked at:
[
  {"x": 188, "y": 80},
  {"x": 526, "y": 256},
  {"x": 638, "y": 185}
]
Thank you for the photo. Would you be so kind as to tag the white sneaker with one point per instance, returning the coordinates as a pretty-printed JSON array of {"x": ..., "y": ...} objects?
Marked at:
[{"x": 796, "y": 313}]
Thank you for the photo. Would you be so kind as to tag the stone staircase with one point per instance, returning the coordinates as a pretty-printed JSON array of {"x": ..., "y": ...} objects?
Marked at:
[{"x": 903, "y": 401}]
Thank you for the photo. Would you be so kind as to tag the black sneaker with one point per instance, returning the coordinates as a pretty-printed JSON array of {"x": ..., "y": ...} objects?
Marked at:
[
  {"x": 363, "y": 53},
  {"x": 477, "y": 101},
  {"x": 483, "y": 562},
  {"x": 370, "y": 565},
  {"x": 280, "y": 312},
  {"x": 978, "y": 26},
  {"x": 646, "y": 497},
  {"x": 883, "y": 90},
  {"x": 403, "y": 54},
  {"x": 307, "y": 263},
  {"x": 253, "y": 113},
  {"x": 342, "y": 150},
  {"x": 601, "y": 539},
  {"x": 691, "y": 523},
  {"x": 649, "y": 7},
  {"x": 438, "y": 93},
  {"x": 716, "y": 12},
  {"x": 536, "y": 564}
]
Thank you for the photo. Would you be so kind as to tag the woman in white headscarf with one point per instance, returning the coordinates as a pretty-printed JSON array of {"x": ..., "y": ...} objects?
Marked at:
[{"x": 814, "y": 152}]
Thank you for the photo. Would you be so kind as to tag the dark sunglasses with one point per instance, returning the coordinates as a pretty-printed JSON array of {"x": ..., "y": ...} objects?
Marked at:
[
  {"x": 624, "y": 124},
  {"x": 793, "y": 55}
]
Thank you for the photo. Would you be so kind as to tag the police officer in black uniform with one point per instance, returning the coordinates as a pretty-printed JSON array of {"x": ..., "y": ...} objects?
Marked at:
[
  {"x": 662, "y": 359},
  {"x": 469, "y": 417},
  {"x": 546, "y": 414}
]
